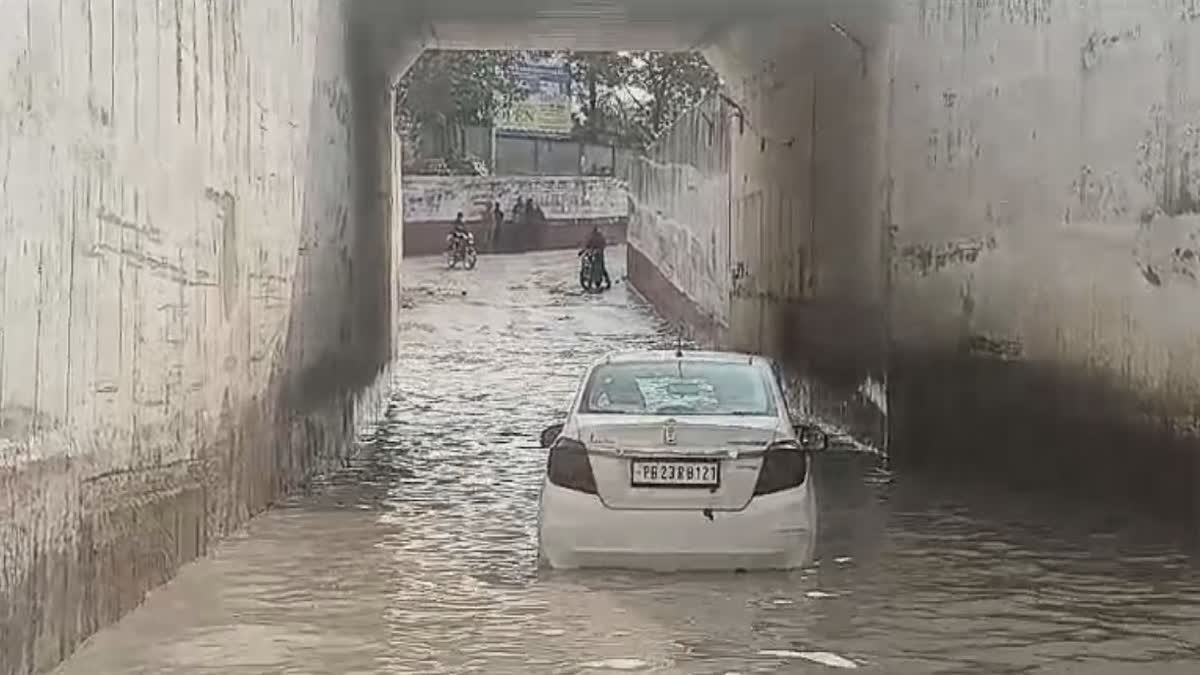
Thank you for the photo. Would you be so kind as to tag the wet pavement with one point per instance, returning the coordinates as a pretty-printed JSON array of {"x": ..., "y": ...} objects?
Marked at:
[{"x": 419, "y": 558}]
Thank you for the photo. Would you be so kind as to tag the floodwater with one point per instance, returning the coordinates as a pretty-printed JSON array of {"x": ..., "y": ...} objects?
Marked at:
[{"x": 420, "y": 557}]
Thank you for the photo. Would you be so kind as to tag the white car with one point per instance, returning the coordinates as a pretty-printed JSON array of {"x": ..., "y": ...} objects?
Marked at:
[{"x": 679, "y": 460}]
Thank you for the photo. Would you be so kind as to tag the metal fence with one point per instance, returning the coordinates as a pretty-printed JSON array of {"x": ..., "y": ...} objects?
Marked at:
[{"x": 513, "y": 154}]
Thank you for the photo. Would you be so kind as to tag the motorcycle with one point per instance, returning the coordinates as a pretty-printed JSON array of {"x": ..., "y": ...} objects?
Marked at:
[
  {"x": 461, "y": 249},
  {"x": 591, "y": 274}
]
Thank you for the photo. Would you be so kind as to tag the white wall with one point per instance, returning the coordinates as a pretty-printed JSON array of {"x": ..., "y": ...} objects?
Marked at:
[
  {"x": 1046, "y": 223},
  {"x": 441, "y": 198},
  {"x": 681, "y": 217},
  {"x": 1065, "y": 137},
  {"x": 996, "y": 204},
  {"x": 174, "y": 202}
]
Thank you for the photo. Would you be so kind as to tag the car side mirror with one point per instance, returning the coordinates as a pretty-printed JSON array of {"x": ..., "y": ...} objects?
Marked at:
[
  {"x": 551, "y": 434},
  {"x": 811, "y": 438}
]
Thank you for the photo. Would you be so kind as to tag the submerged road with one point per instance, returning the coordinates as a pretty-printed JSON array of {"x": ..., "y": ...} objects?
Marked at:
[{"x": 419, "y": 558}]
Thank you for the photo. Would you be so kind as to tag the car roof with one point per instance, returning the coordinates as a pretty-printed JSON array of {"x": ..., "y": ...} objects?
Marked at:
[{"x": 661, "y": 355}]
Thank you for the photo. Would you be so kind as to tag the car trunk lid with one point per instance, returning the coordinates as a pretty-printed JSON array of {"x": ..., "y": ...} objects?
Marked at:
[{"x": 657, "y": 462}]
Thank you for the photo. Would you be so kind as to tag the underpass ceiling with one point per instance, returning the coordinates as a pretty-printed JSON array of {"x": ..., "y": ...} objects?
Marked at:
[{"x": 574, "y": 24}]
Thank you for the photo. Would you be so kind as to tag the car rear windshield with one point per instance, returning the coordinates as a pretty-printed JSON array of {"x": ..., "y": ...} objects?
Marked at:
[{"x": 678, "y": 388}]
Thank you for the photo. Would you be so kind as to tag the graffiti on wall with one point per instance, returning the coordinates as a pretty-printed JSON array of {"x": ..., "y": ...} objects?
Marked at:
[{"x": 439, "y": 199}]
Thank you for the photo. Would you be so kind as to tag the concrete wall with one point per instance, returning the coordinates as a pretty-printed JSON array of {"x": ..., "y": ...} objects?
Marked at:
[
  {"x": 808, "y": 244},
  {"x": 572, "y": 205},
  {"x": 1056, "y": 283},
  {"x": 680, "y": 226},
  {"x": 438, "y": 198},
  {"x": 988, "y": 206},
  {"x": 183, "y": 332},
  {"x": 524, "y": 156},
  {"x": 991, "y": 208}
]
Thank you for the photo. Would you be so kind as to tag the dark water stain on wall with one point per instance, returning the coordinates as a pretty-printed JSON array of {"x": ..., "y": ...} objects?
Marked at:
[
  {"x": 993, "y": 347},
  {"x": 1164, "y": 160},
  {"x": 1030, "y": 425},
  {"x": 1097, "y": 197},
  {"x": 230, "y": 270},
  {"x": 1100, "y": 43},
  {"x": 927, "y": 258},
  {"x": 1186, "y": 262},
  {"x": 973, "y": 15}
]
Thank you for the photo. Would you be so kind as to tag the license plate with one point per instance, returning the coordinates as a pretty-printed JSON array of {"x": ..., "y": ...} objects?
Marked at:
[{"x": 660, "y": 473}]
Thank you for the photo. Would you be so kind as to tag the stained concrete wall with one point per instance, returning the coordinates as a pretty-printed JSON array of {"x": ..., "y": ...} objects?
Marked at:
[
  {"x": 189, "y": 323},
  {"x": 572, "y": 205},
  {"x": 440, "y": 199},
  {"x": 1056, "y": 284},
  {"x": 808, "y": 243},
  {"x": 988, "y": 206},
  {"x": 680, "y": 230},
  {"x": 789, "y": 257}
]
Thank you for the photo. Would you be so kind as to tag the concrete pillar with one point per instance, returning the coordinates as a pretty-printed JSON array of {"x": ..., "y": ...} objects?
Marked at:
[{"x": 809, "y": 197}]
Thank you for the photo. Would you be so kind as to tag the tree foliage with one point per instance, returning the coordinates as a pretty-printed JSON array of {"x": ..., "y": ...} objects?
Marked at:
[
  {"x": 597, "y": 80},
  {"x": 635, "y": 96},
  {"x": 623, "y": 97},
  {"x": 447, "y": 90},
  {"x": 674, "y": 82}
]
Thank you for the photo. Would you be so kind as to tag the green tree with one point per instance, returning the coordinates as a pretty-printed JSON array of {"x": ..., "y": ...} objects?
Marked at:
[
  {"x": 623, "y": 97},
  {"x": 445, "y": 91},
  {"x": 673, "y": 83},
  {"x": 632, "y": 97},
  {"x": 597, "y": 77}
]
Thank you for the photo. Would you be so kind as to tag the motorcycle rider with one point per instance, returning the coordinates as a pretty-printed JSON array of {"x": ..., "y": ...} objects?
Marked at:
[
  {"x": 459, "y": 233},
  {"x": 596, "y": 244}
]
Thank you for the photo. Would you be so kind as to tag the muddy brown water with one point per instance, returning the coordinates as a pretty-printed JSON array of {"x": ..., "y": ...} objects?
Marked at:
[{"x": 419, "y": 558}]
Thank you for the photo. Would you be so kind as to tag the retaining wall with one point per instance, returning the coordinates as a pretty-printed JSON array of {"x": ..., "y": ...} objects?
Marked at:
[
  {"x": 990, "y": 207},
  {"x": 572, "y": 207},
  {"x": 183, "y": 335}
]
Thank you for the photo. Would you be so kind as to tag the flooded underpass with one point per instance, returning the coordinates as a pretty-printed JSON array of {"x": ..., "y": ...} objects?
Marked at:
[{"x": 419, "y": 557}]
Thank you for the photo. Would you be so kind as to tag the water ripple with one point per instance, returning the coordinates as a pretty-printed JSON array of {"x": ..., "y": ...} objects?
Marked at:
[{"x": 419, "y": 558}]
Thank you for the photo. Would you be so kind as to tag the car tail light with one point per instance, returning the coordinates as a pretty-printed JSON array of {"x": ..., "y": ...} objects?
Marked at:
[
  {"x": 785, "y": 466},
  {"x": 568, "y": 466}
]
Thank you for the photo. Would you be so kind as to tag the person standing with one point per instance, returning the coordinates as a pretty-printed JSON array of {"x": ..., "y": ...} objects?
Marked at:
[
  {"x": 537, "y": 231},
  {"x": 536, "y": 215},
  {"x": 497, "y": 223},
  {"x": 520, "y": 222},
  {"x": 518, "y": 211}
]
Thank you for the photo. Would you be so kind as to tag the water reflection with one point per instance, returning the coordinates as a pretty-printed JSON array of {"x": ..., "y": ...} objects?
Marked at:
[{"x": 420, "y": 557}]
